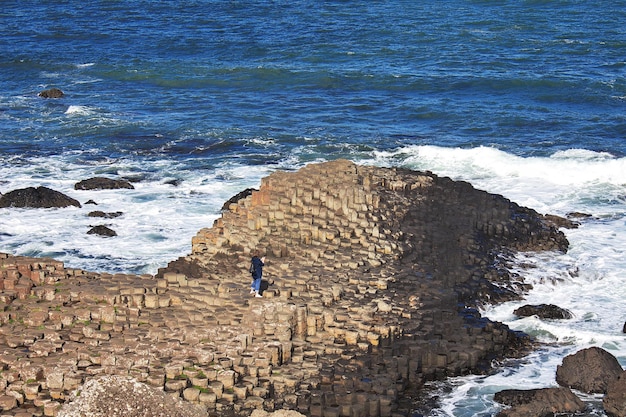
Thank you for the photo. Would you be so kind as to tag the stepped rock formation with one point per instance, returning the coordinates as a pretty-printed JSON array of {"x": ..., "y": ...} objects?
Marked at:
[{"x": 370, "y": 280}]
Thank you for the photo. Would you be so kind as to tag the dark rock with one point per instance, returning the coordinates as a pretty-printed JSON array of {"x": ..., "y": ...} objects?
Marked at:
[
  {"x": 589, "y": 370},
  {"x": 624, "y": 328},
  {"x": 539, "y": 402},
  {"x": 175, "y": 182},
  {"x": 544, "y": 311},
  {"x": 243, "y": 194},
  {"x": 40, "y": 197},
  {"x": 101, "y": 183},
  {"x": 102, "y": 231},
  {"x": 183, "y": 266},
  {"x": 614, "y": 401},
  {"x": 51, "y": 93},
  {"x": 559, "y": 221},
  {"x": 104, "y": 215},
  {"x": 91, "y": 202},
  {"x": 578, "y": 215}
]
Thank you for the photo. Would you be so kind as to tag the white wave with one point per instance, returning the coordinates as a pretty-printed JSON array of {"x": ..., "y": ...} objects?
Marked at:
[
  {"x": 86, "y": 65},
  {"x": 158, "y": 221},
  {"x": 574, "y": 180},
  {"x": 79, "y": 110}
]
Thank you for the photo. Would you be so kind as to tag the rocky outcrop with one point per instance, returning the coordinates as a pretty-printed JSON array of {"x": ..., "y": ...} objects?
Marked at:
[
  {"x": 369, "y": 279},
  {"x": 102, "y": 230},
  {"x": 51, "y": 93},
  {"x": 589, "y": 370},
  {"x": 102, "y": 183},
  {"x": 544, "y": 311},
  {"x": 40, "y": 197},
  {"x": 614, "y": 402},
  {"x": 542, "y": 402}
]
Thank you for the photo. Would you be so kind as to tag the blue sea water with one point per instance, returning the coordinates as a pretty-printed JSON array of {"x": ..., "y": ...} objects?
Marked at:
[{"x": 521, "y": 98}]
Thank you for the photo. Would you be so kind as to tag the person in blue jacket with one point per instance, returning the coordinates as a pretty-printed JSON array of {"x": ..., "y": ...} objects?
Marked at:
[{"x": 256, "y": 269}]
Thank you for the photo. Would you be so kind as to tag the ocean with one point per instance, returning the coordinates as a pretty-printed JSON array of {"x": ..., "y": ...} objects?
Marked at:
[{"x": 195, "y": 101}]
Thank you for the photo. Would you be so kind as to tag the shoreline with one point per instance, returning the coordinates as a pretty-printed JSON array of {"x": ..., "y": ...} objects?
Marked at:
[{"x": 366, "y": 270}]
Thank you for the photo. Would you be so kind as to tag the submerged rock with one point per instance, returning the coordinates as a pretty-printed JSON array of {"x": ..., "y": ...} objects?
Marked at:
[
  {"x": 544, "y": 311},
  {"x": 102, "y": 231},
  {"x": 51, "y": 93},
  {"x": 99, "y": 213},
  {"x": 40, "y": 197},
  {"x": 102, "y": 183},
  {"x": 589, "y": 370}
]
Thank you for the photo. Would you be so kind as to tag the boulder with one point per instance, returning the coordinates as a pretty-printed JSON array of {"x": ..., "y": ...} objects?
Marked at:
[
  {"x": 40, "y": 197},
  {"x": 102, "y": 231},
  {"x": 544, "y": 311},
  {"x": 102, "y": 183},
  {"x": 51, "y": 93},
  {"x": 538, "y": 402},
  {"x": 589, "y": 370},
  {"x": 243, "y": 194},
  {"x": 614, "y": 401}
]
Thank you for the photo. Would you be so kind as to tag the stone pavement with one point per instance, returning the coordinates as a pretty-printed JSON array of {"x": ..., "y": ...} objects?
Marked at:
[{"x": 369, "y": 279}]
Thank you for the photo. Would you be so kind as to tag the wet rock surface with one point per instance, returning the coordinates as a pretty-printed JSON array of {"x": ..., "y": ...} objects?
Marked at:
[
  {"x": 544, "y": 311},
  {"x": 369, "y": 287},
  {"x": 51, "y": 93},
  {"x": 102, "y": 183},
  {"x": 102, "y": 230},
  {"x": 37, "y": 197}
]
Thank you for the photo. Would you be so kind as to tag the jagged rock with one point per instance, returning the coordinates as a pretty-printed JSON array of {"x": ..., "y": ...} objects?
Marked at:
[
  {"x": 91, "y": 202},
  {"x": 624, "y": 328},
  {"x": 589, "y": 370},
  {"x": 102, "y": 231},
  {"x": 544, "y": 311},
  {"x": 614, "y": 401},
  {"x": 40, "y": 197},
  {"x": 51, "y": 93},
  {"x": 102, "y": 183},
  {"x": 542, "y": 402},
  {"x": 115, "y": 396},
  {"x": 234, "y": 199},
  {"x": 102, "y": 214}
]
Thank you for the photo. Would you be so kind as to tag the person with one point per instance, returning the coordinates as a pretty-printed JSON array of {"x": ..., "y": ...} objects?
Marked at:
[{"x": 257, "y": 273}]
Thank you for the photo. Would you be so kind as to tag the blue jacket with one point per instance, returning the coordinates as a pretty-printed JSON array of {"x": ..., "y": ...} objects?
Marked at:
[{"x": 257, "y": 265}]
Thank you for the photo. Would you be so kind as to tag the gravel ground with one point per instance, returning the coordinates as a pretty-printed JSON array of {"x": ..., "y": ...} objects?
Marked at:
[{"x": 115, "y": 396}]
